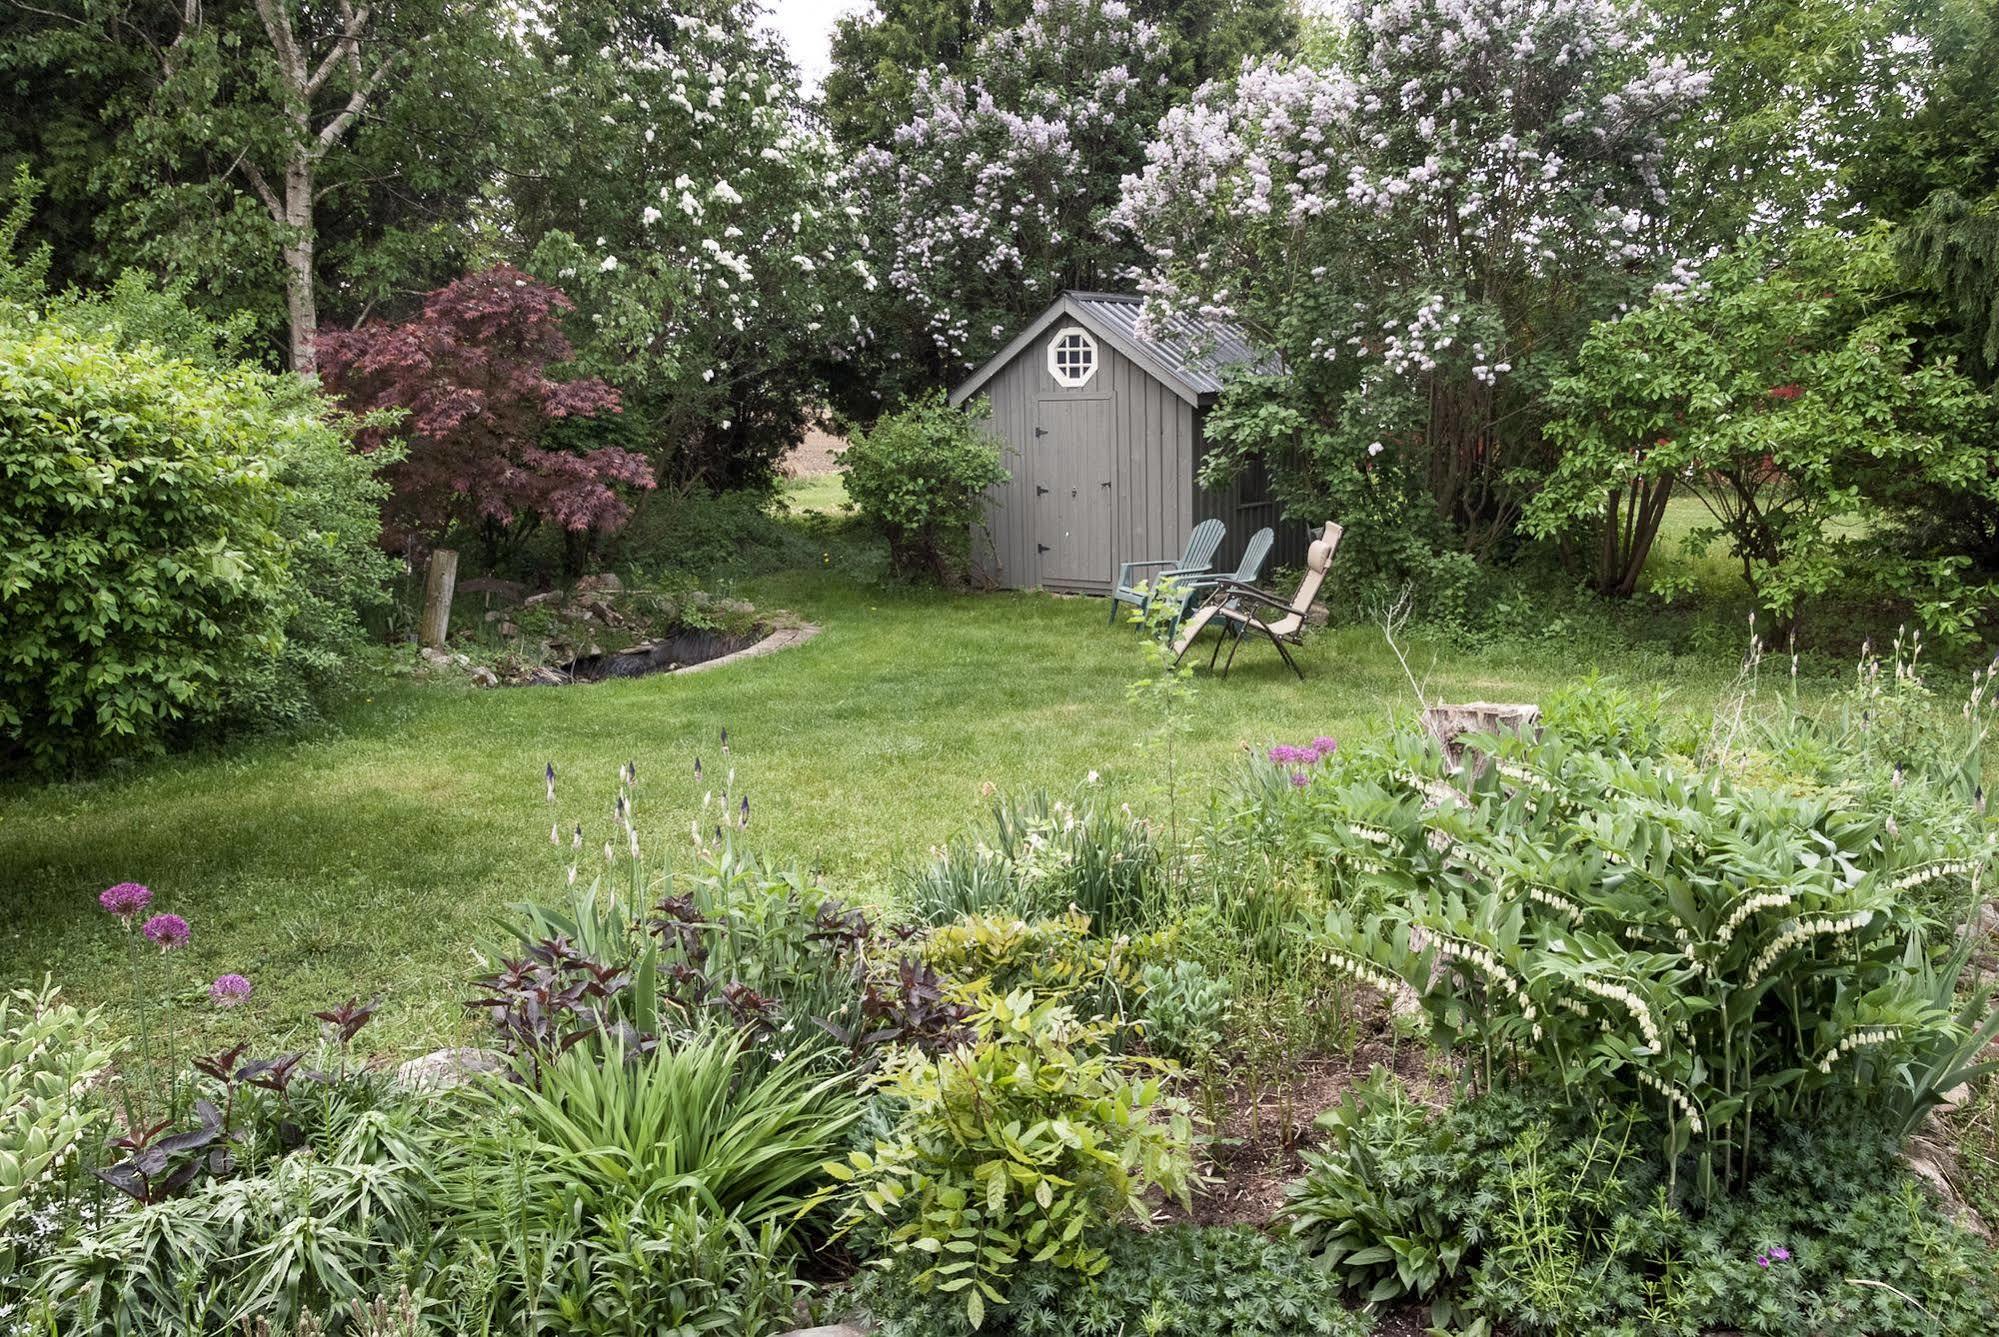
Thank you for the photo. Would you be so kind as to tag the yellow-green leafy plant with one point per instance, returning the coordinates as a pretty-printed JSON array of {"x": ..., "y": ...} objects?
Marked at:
[
  {"x": 1024, "y": 1147},
  {"x": 1728, "y": 956},
  {"x": 1000, "y": 954},
  {"x": 50, "y": 1053}
]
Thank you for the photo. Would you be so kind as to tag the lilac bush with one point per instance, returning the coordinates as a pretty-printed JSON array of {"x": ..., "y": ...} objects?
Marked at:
[
  {"x": 1413, "y": 224},
  {"x": 991, "y": 198}
]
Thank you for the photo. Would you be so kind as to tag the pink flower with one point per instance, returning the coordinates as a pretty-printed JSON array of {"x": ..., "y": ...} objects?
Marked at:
[
  {"x": 126, "y": 900},
  {"x": 1325, "y": 746},
  {"x": 167, "y": 932},
  {"x": 230, "y": 990}
]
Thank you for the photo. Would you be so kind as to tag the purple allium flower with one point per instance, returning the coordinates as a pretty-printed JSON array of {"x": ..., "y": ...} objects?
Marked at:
[
  {"x": 1325, "y": 746},
  {"x": 167, "y": 932},
  {"x": 1299, "y": 779},
  {"x": 126, "y": 900},
  {"x": 1281, "y": 753},
  {"x": 230, "y": 990}
]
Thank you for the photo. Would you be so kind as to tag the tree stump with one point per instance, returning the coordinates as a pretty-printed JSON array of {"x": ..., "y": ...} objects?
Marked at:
[
  {"x": 438, "y": 583},
  {"x": 1449, "y": 724}
]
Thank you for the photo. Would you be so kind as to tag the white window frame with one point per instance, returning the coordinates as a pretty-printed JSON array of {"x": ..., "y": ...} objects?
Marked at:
[{"x": 1067, "y": 377}]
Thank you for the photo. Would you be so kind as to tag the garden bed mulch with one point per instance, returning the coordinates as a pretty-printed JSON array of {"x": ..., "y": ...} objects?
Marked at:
[{"x": 1266, "y": 1127}]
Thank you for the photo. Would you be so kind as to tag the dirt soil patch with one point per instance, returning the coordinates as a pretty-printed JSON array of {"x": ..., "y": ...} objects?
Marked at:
[{"x": 1265, "y": 1127}]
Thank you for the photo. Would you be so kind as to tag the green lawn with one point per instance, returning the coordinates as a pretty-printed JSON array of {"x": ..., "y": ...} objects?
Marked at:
[
  {"x": 369, "y": 860},
  {"x": 822, "y": 492}
]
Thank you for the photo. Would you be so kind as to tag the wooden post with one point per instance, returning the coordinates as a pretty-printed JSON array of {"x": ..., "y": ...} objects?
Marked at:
[{"x": 438, "y": 582}]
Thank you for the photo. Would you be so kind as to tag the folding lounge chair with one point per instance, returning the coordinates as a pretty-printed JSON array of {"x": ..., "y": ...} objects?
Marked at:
[
  {"x": 1242, "y": 609},
  {"x": 1200, "y": 554},
  {"x": 1193, "y": 589}
]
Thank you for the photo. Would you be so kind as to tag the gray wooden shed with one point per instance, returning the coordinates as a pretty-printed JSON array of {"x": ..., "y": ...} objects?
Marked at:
[{"x": 1101, "y": 427}]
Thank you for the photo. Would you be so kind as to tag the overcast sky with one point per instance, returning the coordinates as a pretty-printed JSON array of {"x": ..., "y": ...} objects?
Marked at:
[{"x": 807, "y": 28}]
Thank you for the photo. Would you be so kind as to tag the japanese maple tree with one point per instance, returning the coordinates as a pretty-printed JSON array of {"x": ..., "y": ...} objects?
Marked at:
[{"x": 472, "y": 376}]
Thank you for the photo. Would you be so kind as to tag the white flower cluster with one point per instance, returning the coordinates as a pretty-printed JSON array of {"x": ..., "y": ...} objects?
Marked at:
[
  {"x": 1487, "y": 962},
  {"x": 1931, "y": 872},
  {"x": 1629, "y": 1000},
  {"x": 1763, "y": 900},
  {"x": 1799, "y": 930},
  {"x": 1676, "y": 1097},
  {"x": 1866, "y": 1035},
  {"x": 1489, "y": 137}
]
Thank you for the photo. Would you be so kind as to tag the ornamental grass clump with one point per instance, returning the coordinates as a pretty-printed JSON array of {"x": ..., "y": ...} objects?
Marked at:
[{"x": 1728, "y": 956}]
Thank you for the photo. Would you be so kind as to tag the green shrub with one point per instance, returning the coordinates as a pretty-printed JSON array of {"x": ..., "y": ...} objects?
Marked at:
[
  {"x": 1721, "y": 954},
  {"x": 1536, "y": 1215},
  {"x": 182, "y": 546},
  {"x": 920, "y": 477},
  {"x": 1025, "y": 1147}
]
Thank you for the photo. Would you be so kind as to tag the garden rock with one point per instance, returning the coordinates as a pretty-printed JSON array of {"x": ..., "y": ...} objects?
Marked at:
[
  {"x": 446, "y": 1068},
  {"x": 484, "y": 677},
  {"x": 606, "y": 582},
  {"x": 443, "y": 659}
]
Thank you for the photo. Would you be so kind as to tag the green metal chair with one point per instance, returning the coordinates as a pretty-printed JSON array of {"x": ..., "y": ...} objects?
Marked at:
[
  {"x": 1191, "y": 590},
  {"x": 1200, "y": 555}
]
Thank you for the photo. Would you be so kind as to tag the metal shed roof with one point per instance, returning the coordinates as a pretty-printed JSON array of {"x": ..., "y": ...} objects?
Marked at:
[{"x": 1188, "y": 354}]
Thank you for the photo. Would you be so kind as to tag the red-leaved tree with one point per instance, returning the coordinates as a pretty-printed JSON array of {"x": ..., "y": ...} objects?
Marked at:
[{"x": 472, "y": 376}]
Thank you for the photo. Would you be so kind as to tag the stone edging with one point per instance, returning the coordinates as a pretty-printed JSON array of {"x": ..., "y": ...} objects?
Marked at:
[{"x": 769, "y": 645}]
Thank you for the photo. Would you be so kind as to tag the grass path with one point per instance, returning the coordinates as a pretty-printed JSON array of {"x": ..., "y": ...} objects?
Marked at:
[{"x": 367, "y": 860}]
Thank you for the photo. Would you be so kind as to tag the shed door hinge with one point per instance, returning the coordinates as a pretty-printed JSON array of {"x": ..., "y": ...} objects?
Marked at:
[
  {"x": 1040, "y": 491},
  {"x": 1041, "y": 547},
  {"x": 1040, "y": 431}
]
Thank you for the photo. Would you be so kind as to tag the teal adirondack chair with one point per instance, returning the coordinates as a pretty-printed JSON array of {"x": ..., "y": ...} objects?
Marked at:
[
  {"x": 1193, "y": 589},
  {"x": 1200, "y": 555}
]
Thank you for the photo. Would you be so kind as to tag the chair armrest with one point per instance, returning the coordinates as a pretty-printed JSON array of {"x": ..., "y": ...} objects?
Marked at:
[{"x": 1226, "y": 591}]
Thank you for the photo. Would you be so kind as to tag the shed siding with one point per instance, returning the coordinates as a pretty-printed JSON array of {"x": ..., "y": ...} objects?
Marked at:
[
  {"x": 1152, "y": 453},
  {"x": 1246, "y": 506}
]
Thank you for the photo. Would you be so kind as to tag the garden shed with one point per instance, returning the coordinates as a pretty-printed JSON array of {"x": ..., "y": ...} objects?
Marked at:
[{"x": 1101, "y": 427}]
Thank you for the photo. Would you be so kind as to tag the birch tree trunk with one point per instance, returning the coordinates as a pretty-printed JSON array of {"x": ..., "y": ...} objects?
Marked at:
[{"x": 304, "y": 145}]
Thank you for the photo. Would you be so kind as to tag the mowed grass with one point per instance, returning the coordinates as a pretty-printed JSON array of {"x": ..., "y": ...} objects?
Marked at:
[
  {"x": 826, "y": 493},
  {"x": 369, "y": 861}
]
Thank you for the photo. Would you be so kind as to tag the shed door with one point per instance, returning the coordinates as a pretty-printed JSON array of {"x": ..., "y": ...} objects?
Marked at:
[{"x": 1070, "y": 463}]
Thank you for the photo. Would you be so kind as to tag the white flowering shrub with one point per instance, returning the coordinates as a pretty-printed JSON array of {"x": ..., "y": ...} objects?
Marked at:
[
  {"x": 1416, "y": 225},
  {"x": 1725, "y": 955},
  {"x": 991, "y": 198},
  {"x": 697, "y": 217}
]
